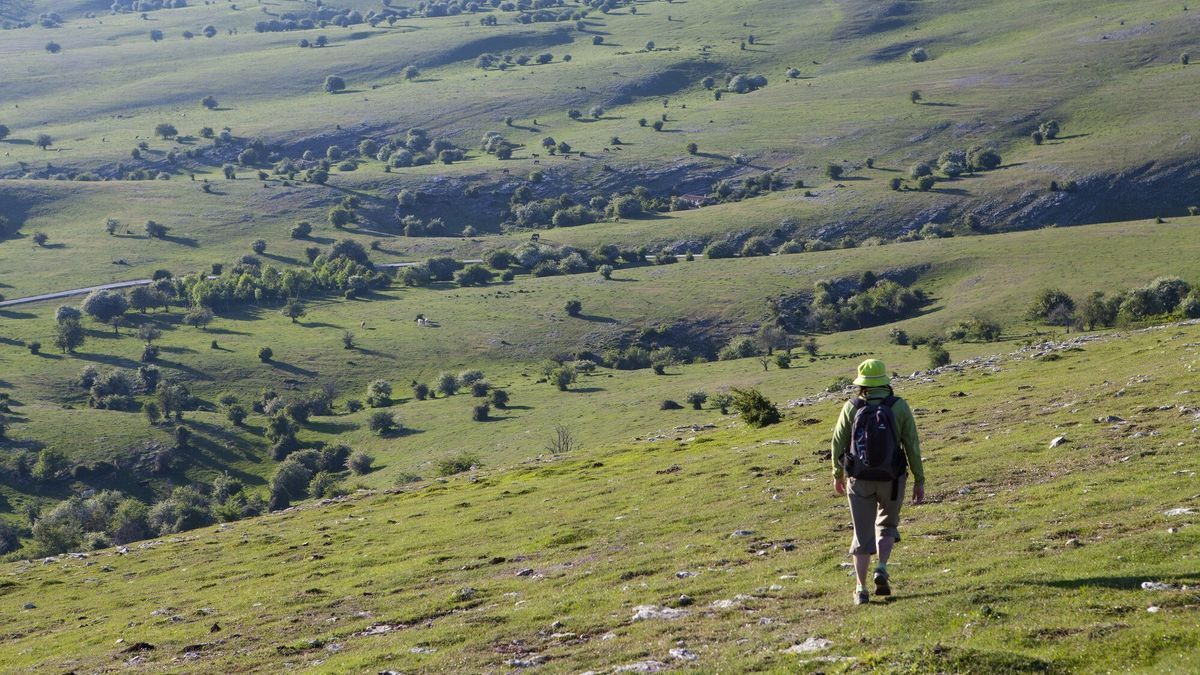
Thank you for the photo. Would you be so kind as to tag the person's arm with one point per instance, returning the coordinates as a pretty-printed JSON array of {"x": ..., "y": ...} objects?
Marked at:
[
  {"x": 907, "y": 427},
  {"x": 841, "y": 438}
]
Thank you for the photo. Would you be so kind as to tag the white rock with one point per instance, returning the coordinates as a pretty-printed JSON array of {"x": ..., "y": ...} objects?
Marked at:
[
  {"x": 1179, "y": 512},
  {"x": 684, "y": 654},
  {"x": 1157, "y": 586},
  {"x": 812, "y": 644},
  {"x": 641, "y": 667},
  {"x": 1058, "y": 440},
  {"x": 648, "y": 612}
]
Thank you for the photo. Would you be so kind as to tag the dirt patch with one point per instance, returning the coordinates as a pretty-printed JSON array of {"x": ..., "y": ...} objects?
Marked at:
[{"x": 868, "y": 17}]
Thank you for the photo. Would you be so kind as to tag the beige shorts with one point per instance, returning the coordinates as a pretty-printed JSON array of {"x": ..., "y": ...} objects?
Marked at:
[{"x": 874, "y": 512}]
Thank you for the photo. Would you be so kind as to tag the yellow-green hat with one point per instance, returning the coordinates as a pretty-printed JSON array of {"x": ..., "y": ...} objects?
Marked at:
[{"x": 872, "y": 373}]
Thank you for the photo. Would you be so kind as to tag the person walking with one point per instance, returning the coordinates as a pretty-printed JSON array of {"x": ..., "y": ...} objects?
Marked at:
[{"x": 874, "y": 445}]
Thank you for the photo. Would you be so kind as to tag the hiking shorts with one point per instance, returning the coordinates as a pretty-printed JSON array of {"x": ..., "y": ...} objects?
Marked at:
[{"x": 874, "y": 512}]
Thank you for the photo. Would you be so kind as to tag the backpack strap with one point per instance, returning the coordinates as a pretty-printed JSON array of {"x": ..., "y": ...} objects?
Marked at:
[
  {"x": 858, "y": 403},
  {"x": 890, "y": 400}
]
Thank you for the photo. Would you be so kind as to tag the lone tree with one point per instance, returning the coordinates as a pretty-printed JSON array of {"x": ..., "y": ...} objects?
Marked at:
[
  {"x": 334, "y": 84},
  {"x": 574, "y": 307},
  {"x": 43, "y": 141},
  {"x": 915, "y": 96},
  {"x": 259, "y": 246},
  {"x": 53, "y": 47},
  {"x": 4, "y": 132},
  {"x": 834, "y": 171},
  {"x": 692, "y": 148},
  {"x": 156, "y": 35},
  {"x": 68, "y": 335},
  {"x": 411, "y": 73},
  {"x": 166, "y": 130},
  {"x": 209, "y": 102},
  {"x": 40, "y": 238},
  {"x": 293, "y": 309}
]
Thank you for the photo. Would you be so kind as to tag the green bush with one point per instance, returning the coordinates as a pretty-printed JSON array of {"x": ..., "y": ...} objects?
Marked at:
[
  {"x": 938, "y": 356},
  {"x": 756, "y": 410},
  {"x": 382, "y": 422},
  {"x": 697, "y": 399},
  {"x": 360, "y": 463},
  {"x": 459, "y": 463}
]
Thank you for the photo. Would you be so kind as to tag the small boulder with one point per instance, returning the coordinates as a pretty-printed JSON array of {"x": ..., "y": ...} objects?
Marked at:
[{"x": 1058, "y": 440}]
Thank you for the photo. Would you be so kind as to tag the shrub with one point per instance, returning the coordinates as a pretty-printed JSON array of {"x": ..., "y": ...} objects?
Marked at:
[
  {"x": 605, "y": 271},
  {"x": 697, "y": 399},
  {"x": 265, "y": 354},
  {"x": 499, "y": 399},
  {"x": 459, "y": 463},
  {"x": 382, "y": 422},
  {"x": 1049, "y": 129},
  {"x": 668, "y": 404},
  {"x": 926, "y": 183},
  {"x": 574, "y": 307},
  {"x": 420, "y": 391},
  {"x": 236, "y": 414},
  {"x": 360, "y": 462},
  {"x": 334, "y": 84},
  {"x": 920, "y": 169},
  {"x": 480, "y": 388},
  {"x": 480, "y": 412},
  {"x": 692, "y": 148},
  {"x": 354, "y": 405},
  {"x": 379, "y": 393},
  {"x": 938, "y": 356},
  {"x": 739, "y": 347},
  {"x": 918, "y": 55},
  {"x": 1047, "y": 300},
  {"x": 447, "y": 384},
  {"x": 563, "y": 377},
  {"x": 474, "y": 275},
  {"x": 720, "y": 249},
  {"x": 35, "y": 347},
  {"x": 756, "y": 410},
  {"x": 783, "y": 361},
  {"x": 756, "y": 246},
  {"x": 898, "y": 336},
  {"x": 834, "y": 171},
  {"x": 983, "y": 159}
]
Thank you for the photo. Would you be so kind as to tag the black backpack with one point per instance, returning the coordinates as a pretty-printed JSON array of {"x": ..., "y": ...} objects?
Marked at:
[{"x": 874, "y": 452}]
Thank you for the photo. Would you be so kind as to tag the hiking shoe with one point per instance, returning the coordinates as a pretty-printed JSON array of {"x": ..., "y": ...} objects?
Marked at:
[
  {"x": 882, "y": 587},
  {"x": 861, "y": 597}
]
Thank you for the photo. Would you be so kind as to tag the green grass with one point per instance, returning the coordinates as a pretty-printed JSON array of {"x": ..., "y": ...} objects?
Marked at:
[{"x": 987, "y": 575}]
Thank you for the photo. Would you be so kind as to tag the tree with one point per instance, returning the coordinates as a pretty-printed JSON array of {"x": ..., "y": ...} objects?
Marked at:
[
  {"x": 104, "y": 305},
  {"x": 259, "y": 246},
  {"x": 382, "y": 422},
  {"x": 1185, "y": 58},
  {"x": 43, "y": 141},
  {"x": 165, "y": 130},
  {"x": 40, "y": 238},
  {"x": 574, "y": 307},
  {"x": 481, "y": 412},
  {"x": 68, "y": 335},
  {"x": 834, "y": 171},
  {"x": 697, "y": 399},
  {"x": 1047, "y": 300},
  {"x": 1049, "y": 129},
  {"x": 410, "y": 73},
  {"x": 53, "y": 47},
  {"x": 918, "y": 55},
  {"x": 692, "y": 148},
  {"x": 198, "y": 316},
  {"x": 334, "y": 84},
  {"x": 4, "y": 132},
  {"x": 985, "y": 159},
  {"x": 209, "y": 102},
  {"x": 293, "y": 309},
  {"x": 155, "y": 230},
  {"x": 915, "y": 96}
]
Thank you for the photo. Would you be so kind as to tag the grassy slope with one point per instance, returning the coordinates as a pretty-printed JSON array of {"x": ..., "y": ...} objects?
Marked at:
[
  {"x": 1025, "y": 558},
  {"x": 506, "y": 329},
  {"x": 996, "y": 70}
]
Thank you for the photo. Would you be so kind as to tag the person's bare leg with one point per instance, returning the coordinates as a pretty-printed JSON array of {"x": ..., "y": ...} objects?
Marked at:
[
  {"x": 884, "y": 545},
  {"x": 862, "y": 561}
]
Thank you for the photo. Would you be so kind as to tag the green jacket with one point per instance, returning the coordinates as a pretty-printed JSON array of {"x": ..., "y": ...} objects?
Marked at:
[{"x": 906, "y": 427}]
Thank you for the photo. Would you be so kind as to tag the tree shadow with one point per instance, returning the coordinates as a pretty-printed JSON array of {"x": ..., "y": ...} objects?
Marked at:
[
  {"x": 596, "y": 319},
  {"x": 107, "y": 359},
  {"x": 10, "y": 314},
  {"x": 289, "y": 368},
  {"x": 952, "y": 191},
  {"x": 316, "y": 324},
  {"x": 940, "y": 104},
  {"x": 197, "y": 374},
  {"x": 332, "y": 427},
  {"x": 56, "y": 244},
  {"x": 185, "y": 241},
  {"x": 281, "y": 258},
  {"x": 1067, "y": 138},
  {"x": 583, "y": 390}
]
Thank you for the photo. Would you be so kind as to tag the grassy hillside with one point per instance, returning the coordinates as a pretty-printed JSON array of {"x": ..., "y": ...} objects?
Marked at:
[
  {"x": 995, "y": 71},
  {"x": 1026, "y": 559},
  {"x": 509, "y": 330}
]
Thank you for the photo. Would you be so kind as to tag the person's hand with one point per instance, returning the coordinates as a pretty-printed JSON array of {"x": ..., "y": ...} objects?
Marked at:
[
  {"x": 918, "y": 494},
  {"x": 839, "y": 487}
]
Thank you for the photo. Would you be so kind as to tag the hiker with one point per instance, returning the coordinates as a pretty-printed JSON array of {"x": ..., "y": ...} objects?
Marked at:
[{"x": 874, "y": 442}]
